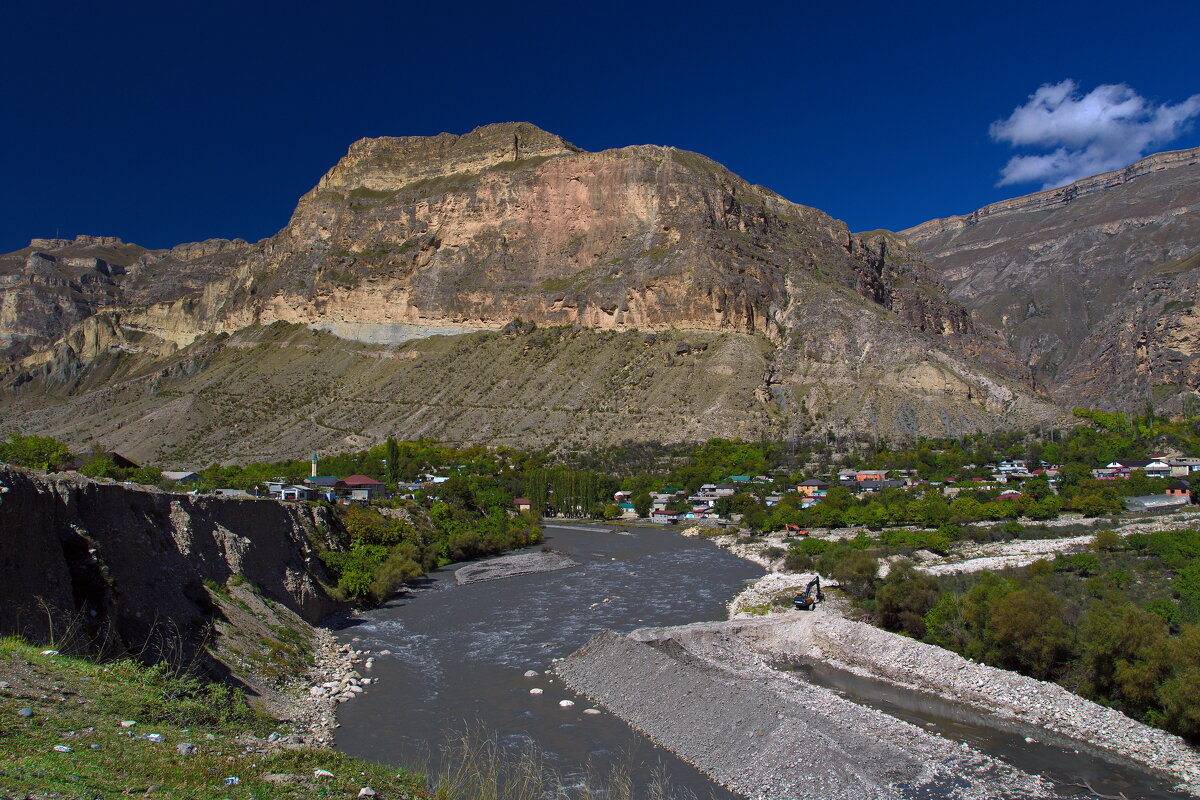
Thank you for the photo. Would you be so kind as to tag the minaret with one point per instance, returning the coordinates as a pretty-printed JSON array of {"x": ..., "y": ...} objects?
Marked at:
[{"x": 314, "y": 465}]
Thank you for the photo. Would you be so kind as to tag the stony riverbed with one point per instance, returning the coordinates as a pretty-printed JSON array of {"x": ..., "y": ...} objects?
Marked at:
[{"x": 712, "y": 693}]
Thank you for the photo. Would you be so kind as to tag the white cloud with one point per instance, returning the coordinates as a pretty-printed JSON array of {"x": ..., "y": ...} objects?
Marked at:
[{"x": 1107, "y": 128}]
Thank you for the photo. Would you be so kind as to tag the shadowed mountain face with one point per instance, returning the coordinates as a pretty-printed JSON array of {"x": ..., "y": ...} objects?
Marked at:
[
  {"x": 1093, "y": 285},
  {"x": 453, "y": 234}
]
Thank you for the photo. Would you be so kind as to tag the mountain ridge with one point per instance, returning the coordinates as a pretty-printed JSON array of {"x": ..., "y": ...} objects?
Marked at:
[
  {"x": 510, "y": 222},
  {"x": 1092, "y": 286}
]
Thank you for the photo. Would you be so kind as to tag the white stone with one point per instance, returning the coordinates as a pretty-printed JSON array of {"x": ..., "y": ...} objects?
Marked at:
[
  {"x": 566, "y": 703},
  {"x": 535, "y": 691}
]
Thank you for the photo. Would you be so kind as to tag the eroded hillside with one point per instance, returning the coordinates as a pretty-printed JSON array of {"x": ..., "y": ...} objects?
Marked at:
[{"x": 1093, "y": 285}]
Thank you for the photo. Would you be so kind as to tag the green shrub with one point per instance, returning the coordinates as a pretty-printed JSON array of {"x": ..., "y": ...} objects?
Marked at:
[
  {"x": 1108, "y": 542},
  {"x": 917, "y": 540},
  {"x": 904, "y": 598},
  {"x": 34, "y": 452}
]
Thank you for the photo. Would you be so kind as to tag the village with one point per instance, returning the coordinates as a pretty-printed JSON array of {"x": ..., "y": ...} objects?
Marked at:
[{"x": 1171, "y": 475}]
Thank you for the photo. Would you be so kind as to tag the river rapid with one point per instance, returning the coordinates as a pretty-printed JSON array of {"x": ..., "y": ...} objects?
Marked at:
[{"x": 459, "y": 653}]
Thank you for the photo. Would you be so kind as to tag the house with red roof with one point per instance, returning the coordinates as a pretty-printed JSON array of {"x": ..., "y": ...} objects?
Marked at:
[{"x": 360, "y": 487}]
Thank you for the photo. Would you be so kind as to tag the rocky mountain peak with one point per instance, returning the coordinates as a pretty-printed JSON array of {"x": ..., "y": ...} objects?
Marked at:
[
  {"x": 433, "y": 236},
  {"x": 81, "y": 240},
  {"x": 388, "y": 163}
]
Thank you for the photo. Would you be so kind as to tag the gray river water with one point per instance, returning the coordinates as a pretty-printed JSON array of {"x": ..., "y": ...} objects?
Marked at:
[
  {"x": 1070, "y": 765},
  {"x": 459, "y": 654}
]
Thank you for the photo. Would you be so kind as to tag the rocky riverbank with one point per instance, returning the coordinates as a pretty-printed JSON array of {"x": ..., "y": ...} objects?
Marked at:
[
  {"x": 708, "y": 693},
  {"x": 764, "y": 632},
  {"x": 711, "y": 693}
]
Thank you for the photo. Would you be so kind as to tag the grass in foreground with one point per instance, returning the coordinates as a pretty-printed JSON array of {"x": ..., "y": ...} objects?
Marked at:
[{"x": 80, "y": 704}]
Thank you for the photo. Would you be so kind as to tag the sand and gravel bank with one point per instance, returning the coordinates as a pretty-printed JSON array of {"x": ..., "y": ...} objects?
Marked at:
[
  {"x": 712, "y": 693},
  {"x": 510, "y": 566}
]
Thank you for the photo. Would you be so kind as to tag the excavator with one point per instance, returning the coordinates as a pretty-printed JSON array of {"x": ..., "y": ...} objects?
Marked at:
[{"x": 812, "y": 594}]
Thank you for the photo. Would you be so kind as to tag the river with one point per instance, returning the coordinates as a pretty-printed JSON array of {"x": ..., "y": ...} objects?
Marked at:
[
  {"x": 458, "y": 657},
  {"x": 459, "y": 653}
]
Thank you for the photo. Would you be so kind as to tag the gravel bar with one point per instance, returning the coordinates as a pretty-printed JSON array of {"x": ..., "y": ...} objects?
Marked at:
[
  {"x": 710, "y": 693},
  {"x": 510, "y": 566}
]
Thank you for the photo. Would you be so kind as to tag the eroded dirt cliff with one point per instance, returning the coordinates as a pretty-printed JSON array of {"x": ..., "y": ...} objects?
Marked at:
[{"x": 120, "y": 569}]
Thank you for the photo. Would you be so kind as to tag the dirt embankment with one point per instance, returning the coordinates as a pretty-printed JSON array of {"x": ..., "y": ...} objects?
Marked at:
[{"x": 124, "y": 568}]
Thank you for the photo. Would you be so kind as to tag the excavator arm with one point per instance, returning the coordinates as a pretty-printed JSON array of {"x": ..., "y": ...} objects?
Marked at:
[{"x": 812, "y": 594}]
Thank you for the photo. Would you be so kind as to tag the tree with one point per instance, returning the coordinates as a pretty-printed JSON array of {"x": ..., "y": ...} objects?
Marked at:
[
  {"x": 392, "y": 458},
  {"x": 855, "y": 571},
  {"x": 1180, "y": 695},
  {"x": 904, "y": 598},
  {"x": 642, "y": 504},
  {"x": 1029, "y": 631},
  {"x": 1125, "y": 655},
  {"x": 34, "y": 452}
]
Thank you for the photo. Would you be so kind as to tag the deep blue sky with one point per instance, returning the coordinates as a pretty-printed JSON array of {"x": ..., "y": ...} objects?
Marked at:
[{"x": 164, "y": 123}]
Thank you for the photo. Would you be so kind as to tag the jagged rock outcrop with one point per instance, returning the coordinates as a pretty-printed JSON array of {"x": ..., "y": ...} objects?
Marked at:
[
  {"x": 450, "y": 234},
  {"x": 54, "y": 284},
  {"x": 122, "y": 568},
  {"x": 1092, "y": 285}
]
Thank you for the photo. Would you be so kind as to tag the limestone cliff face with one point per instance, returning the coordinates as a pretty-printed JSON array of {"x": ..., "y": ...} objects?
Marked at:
[
  {"x": 126, "y": 565},
  {"x": 510, "y": 222},
  {"x": 55, "y": 283},
  {"x": 1148, "y": 348},
  {"x": 1086, "y": 280}
]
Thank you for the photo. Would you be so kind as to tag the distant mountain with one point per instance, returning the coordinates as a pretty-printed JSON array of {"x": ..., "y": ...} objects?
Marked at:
[
  {"x": 1093, "y": 286},
  {"x": 782, "y": 320}
]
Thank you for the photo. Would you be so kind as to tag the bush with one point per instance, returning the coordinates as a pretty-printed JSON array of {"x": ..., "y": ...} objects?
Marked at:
[
  {"x": 1029, "y": 632},
  {"x": 904, "y": 598},
  {"x": 854, "y": 570},
  {"x": 1085, "y": 564},
  {"x": 1012, "y": 528},
  {"x": 1108, "y": 542},
  {"x": 917, "y": 540},
  {"x": 34, "y": 452},
  {"x": 355, "y": 568},
  {"x": 798, "y": 561}
]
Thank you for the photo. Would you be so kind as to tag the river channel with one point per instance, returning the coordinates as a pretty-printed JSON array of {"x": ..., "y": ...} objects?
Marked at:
[{"x": 459, "y": 653}]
